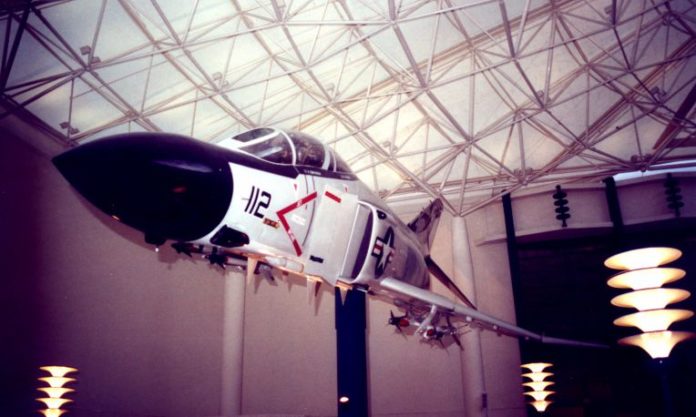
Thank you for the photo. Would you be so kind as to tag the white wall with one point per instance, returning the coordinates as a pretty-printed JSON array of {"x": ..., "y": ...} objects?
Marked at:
[
  {"x": 77, "y": 289},
  {"x": 289, "y": 350},
  {"x": 501, "y": 357}
]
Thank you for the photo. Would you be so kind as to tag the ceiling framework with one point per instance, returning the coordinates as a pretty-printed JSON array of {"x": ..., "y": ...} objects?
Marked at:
[{"x": 424, "y": 99}]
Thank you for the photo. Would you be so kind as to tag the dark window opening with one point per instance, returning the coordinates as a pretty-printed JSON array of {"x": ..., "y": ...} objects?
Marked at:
[
  {"x": 310, "y": 152},
  {"x": 253, "y": 134},
  {"x": 277, "y": 150}
]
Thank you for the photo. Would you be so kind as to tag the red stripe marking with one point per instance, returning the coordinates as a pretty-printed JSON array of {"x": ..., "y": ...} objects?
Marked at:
[
  {"x": 285, "y": 210},
  {"x": 309, "y": 198},
  {"x": 297, "y": 247},
  {"x": 333, "y": 196}
]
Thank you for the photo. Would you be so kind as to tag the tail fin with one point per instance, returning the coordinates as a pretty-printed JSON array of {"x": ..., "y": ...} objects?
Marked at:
[
  {"x": 447, "y": 281},
  {"x": 425, "y": 224}
]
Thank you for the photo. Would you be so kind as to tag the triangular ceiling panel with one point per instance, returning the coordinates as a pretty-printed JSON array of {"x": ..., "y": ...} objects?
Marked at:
[
  {"x": 258, "y": 12},
  {"x": 201, "y": 21},
  {"x": 119, "y": 34},
  {"x": 386, "y": 47},
  {"x": 177, "y": 119},
  {"x": 165, "y": 85},
  {"x": 480, "y": 19},
  {"x": 126, "y": 127},
  {"x": 490, "y": 103},
  {"x": 510, "y": 83},
  {"x": 539, "y": 148},
  {"x": 129, "y": 80},
  {"x": 210, "y": 119},
  {"x": 91, "y": 109},
  {"x": 53, "y": 106},
  {"x": 62, "y": 19},
  {"x": 36, "y": 62}
]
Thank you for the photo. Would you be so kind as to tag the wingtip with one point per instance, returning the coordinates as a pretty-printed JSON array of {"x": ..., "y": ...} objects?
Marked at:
[{"x": 570, "y": 342}]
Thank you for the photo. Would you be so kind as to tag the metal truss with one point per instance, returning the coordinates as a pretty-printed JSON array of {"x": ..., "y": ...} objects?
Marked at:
[{"x": 445, "y": 99}]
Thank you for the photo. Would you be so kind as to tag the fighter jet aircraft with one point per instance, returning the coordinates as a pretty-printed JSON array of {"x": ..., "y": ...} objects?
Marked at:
[{"x": 276, "y": 200}]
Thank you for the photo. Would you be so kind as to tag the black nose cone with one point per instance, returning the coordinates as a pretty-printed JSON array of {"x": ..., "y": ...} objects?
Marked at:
[{"x": 168, "y": 186}]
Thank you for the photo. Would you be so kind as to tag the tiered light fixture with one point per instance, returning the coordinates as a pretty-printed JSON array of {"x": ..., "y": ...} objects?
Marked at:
[
  {"x": 55, "y": 390},
  {"x": 538, "y": 384},
  {"x": 643, "y": 273}
]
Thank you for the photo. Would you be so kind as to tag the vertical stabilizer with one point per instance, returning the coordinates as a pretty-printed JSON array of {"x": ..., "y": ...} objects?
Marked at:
[{"x": 425, "y": 224}]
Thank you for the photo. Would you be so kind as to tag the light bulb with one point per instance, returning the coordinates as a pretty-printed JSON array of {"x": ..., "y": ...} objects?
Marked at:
[
  {"x": 536, "y": 366},
  {"x": 641, "y": 279},
  {"x": 537, "y": 376},
  {"x": 653, "y": 320},
  {"x": 657, "y": 344},
  {"x": 52, "y": 412},
  {"x": 55, "y": 392},
  {"x": 58, "y": 370},
  {"x": 642, "y": 258},
  {"x": 54, "y": 402},
  {"x": 56, "y": 381},
  {"x": 650, "y": 299},
  {"x": 540, "y": 406},
  {"x": 538, "y": 385},
  {"x": 539, "y": 395}
]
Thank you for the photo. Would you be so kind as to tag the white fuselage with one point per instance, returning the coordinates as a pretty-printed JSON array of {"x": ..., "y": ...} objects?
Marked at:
[{"x": 281, "y": 216}]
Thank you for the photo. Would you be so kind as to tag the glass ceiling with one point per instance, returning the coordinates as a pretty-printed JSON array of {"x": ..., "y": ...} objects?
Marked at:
[{"x": 462, "y": 100}]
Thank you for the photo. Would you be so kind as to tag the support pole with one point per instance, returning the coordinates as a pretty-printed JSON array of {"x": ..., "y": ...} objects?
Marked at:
[
  {"x": 232, "y": 345},
  {"x": 661, "y": 366},
  {"x": 473, "y": 379},
  {"x": 613, "y": 205},
  {"x": 351, "y": 351},
  {"x": 513, "y": 256}
]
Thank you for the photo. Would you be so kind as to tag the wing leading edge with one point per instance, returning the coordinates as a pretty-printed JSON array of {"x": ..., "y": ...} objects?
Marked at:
[{"x": 445, "y": 306}]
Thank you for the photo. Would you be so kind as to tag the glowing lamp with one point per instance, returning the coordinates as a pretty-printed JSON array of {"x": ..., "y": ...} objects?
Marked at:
[
  {"x": 55, "y": 392},
  {"x": 539, "y": 395},
  {"x": 643, "y": 258},
  {"x": 641, "y": 279},
  {"x": 56, "y": 381},
  {"x": 650, "y": 299},
  {"x": 537, "y": 376},
  {"x": 58, "y": 370},
  {"x": 344, "y": 400},
  {"x": 645, "y": 277},
  {"x": 653, "y": 320},
  {"x": 54, "y": 402},
  {"x": 536, "y": 366},
  {"x": 539, "y": 385},
  {"x": 657, "y": 344},
  {"x": 52, "y": 412},
  {"x": 55, "y": 389},
  {"x": 540, "y": 406}
]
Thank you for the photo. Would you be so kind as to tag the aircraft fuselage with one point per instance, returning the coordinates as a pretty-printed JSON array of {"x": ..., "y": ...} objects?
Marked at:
[{"x": 313, "y": 220}]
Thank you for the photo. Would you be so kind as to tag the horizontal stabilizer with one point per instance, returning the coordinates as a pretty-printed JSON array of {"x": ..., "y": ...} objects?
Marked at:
[{"x": 447, "y": 281}]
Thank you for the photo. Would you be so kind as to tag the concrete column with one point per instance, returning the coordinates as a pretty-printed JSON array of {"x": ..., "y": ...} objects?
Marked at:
[
  {"x": 232, "y": 345},
  {"x": 473, "y": 380}
]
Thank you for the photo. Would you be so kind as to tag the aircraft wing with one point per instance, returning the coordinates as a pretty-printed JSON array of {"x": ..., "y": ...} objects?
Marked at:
[{"x": 411, "y": 294}]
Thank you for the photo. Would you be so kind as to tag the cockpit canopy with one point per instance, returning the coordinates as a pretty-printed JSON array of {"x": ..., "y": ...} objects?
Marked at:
[{"x": 290, "y": 148}]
